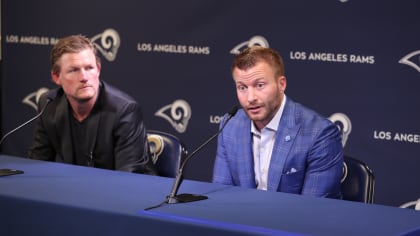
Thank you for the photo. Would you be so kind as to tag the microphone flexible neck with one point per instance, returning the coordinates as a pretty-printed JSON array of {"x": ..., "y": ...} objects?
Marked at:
[
  {"x": 179, "y": 177},
  {"x": 27, "y": 122}
]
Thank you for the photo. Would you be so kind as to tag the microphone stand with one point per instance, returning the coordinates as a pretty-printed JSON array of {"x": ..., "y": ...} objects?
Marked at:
[
  {"x": 7, "y": 172},
  {"x": 187, "y": 197}
]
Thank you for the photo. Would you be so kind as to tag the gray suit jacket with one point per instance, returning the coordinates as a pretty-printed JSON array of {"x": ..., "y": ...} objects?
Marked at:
[
  {"x": 307, "y": 157},
  {"x": 117, "y": 135}
]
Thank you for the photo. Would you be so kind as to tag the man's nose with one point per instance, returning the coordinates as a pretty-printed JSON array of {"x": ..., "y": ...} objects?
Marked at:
[
  {"x": 251, "y": 95},
  {"x": 83, "y": 75}
]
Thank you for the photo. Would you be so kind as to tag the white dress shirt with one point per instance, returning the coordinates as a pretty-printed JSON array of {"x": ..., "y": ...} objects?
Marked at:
[{"x": 262, "y": 146}]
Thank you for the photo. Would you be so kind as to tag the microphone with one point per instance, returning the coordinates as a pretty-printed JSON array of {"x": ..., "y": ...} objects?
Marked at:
[
  {"x": 185, "y": 197},
  {"x": 50, "y": 97}
]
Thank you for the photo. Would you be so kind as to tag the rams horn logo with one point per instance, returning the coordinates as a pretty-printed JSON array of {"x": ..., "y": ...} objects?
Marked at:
[
  {"x": 177, "y": 114},
  {"x": 32, "y": 99},
  {"x": 256, "y": 40},
  {"x": 344, "y": 125},
  {"x": 107, "y": 43},
  {"x": 412, "y": 59},
  {"x": 156, "y": 145}
]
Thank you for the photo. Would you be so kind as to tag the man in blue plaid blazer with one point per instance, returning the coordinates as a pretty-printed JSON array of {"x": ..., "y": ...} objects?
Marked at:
[{"x": 274, "y": 143}]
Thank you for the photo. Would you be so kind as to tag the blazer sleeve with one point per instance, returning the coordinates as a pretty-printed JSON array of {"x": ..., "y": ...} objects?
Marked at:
[
  {"x": 41, "y": 147},
  {"x": 325, "y": 165},
  {"x": 131, "y": 149},
  {"x": 221, "y": 172}
]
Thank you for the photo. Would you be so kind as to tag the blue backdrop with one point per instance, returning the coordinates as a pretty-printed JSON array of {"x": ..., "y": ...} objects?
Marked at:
[{"x": 356, "y": 62}]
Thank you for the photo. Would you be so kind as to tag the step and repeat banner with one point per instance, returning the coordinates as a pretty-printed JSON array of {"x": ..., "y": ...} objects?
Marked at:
[{"x": 355, "y": 62}]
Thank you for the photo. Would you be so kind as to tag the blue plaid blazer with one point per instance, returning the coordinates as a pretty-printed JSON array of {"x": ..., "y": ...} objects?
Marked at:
[{"x": 307, "y": 157}]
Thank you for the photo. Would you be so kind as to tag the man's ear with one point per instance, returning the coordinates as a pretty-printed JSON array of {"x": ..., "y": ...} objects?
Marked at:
[
  {"x": 283, "y": 83},
  {"x": 55, "y": 78},
  {"x": 99, "y": 68}
]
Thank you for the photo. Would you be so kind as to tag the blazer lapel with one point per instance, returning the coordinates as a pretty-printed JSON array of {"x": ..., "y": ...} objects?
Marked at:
[
  {"x": 285, "y": 137},
  {"x": 247, "y": 170},
  {"x": 92, "y": 133},
  {"x": 63, "y": 131},
  {"x": 245, "y": 161}
]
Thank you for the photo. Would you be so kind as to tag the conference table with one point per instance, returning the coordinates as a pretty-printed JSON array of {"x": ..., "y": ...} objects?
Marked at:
[{"x": 60, "y": 199}]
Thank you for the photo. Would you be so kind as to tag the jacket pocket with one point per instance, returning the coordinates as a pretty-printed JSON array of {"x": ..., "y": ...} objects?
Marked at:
[{"x": 292, "y": 180}]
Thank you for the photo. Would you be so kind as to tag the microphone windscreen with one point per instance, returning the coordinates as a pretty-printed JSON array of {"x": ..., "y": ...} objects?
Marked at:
[
  {"x": 52, "y": 93},
  {"x": 233, "y": 111}
]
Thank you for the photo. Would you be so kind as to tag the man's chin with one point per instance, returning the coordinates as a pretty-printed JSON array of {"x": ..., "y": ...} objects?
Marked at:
[
  {"x": 254, "y": 117},
  {"x": 83, "y": 99}
]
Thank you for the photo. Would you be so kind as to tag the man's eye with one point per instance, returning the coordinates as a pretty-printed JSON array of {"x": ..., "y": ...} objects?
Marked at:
[
  {"x": 260, "y": 85},
  {"x": 241, "y": 88}
]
